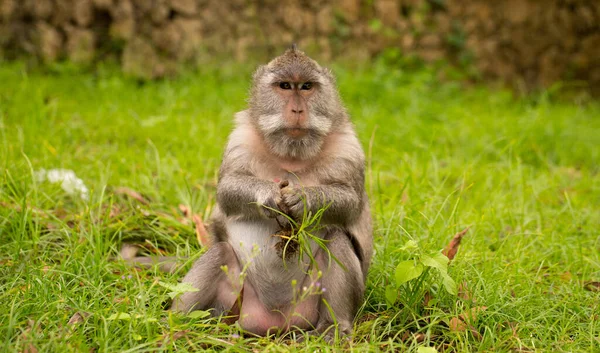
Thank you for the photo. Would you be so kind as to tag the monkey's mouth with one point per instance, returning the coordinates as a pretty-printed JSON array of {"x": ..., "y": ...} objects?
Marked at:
[{"x": 296, "y": 132}]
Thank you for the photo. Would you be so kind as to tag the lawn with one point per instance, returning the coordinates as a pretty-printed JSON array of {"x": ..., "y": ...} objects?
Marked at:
[{"x": 522, "y": 174}]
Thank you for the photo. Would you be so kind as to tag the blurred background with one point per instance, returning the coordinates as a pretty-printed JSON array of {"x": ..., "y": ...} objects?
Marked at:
[{"x": 528, "y": 44}]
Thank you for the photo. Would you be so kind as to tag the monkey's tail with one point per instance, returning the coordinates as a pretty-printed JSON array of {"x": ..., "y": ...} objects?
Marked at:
[{"x": 129, "y": 253}]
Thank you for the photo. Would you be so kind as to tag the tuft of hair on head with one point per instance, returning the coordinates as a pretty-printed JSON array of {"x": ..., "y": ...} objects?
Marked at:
[
  {"x": 293, "y": 51},
  {"x": 291, "y": 62}
]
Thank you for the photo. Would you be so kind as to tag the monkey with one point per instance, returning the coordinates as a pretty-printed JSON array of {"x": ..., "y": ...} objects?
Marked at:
[{"x": 292, "y": 152}]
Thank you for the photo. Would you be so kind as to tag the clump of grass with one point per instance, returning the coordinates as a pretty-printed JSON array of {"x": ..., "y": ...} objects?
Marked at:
[{"x": 299, "y": 237}]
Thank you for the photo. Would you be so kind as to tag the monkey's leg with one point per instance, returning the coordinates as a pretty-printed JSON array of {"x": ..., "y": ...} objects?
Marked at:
[
  {"x": 217, "y": 289},
  {"x": 166, "y": 264},
  {"x": 343, "y": 287}
]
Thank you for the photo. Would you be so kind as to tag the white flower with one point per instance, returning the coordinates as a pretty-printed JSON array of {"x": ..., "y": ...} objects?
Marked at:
[{"x": 69, "y": 181}]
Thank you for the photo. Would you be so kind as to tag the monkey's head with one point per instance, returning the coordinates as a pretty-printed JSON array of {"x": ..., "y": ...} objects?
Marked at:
[{"x": 294, "y": 104}]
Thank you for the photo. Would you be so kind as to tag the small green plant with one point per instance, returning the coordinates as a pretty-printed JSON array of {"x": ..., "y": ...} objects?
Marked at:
[
  {"x": 299, "y": 235},
  {"x": 178, "y": 289},
  {"x": 422, "y": 272}
]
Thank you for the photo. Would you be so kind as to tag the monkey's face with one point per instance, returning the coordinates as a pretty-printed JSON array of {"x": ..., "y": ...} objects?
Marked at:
[
  {"x": 294, "y": 104},
  {"x": 294, "y": 96}
]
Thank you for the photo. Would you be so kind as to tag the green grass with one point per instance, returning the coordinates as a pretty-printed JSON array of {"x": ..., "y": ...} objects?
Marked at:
[{"x": 522, "y": 173}]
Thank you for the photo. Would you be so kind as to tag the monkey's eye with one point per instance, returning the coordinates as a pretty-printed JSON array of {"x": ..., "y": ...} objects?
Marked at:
[
  {"x": 285, "y": 85},
  {"x": 306, "y": 86}
]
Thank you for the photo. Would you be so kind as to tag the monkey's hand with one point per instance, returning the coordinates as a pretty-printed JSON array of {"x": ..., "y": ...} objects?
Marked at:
[
  {"x": 269, "y": 206},
  {"x": 293, "y": 201},
  {"x": 340, "y": 203}
]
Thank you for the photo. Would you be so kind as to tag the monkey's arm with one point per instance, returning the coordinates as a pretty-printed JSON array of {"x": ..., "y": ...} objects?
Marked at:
[{"x": 246, "y": 195}]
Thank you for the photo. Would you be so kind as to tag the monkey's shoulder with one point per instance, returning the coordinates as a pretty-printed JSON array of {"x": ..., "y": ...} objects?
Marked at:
[{"x": 342, "y": 145}]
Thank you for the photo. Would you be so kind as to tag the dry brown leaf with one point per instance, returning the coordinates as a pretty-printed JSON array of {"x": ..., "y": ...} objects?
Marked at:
[
  {"x": 471, "y": 315},
  {"x": 10, "y": 206},
  {"x": 6, "y": 262},
  {"x": 405, "y": 198},
  {"x": 201, "y": 232},
  {"x": 34, "y": 210},
  {"x": 115, "y": 211},
  {"x": 77, "y": 318},
  {"x": 367, "y": 317},
  {"x": 185, "y": 210},
  {"x": 131, "y": 193},
  {"x": 125, "y": 300},
  {"x": 417, "y": 337},
  {"x": 463, "y": 321},
  {"x": 592, "y": 286},
  {"x": 464, "y": 293},
  {"x": 29, "y": 348},
  {"x": 177, "y": 335},
  {"x": 514, "y": 327},
  {"x": 457, "y": 325},
  {"x": 183, "y": 220},
  {"x": 50, "y": 227},
  {"x": 476, "y": 333},
  {"x": 567, "y": 276},
  {"x": 426, "y": 298},
  {"x": 452, "y": 247}
]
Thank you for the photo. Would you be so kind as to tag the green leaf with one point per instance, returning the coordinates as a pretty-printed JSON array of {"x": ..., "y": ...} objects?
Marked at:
[
  {"x": 145, "y": 318},
  {"x": 407, "y": 270},
  {"x": 449, "y": 284},
  {"x": 432, "y": 302},
  {"x": 410, "y": 246},
  {"x": 119, "y": 316},
  {"x": 180, "y": 288},
  {"x": 391, "y": 294},
  {"x": 424, "y": 349},
  {"x": 198, "y": 314},
  {"x": 438, "y": 261}
]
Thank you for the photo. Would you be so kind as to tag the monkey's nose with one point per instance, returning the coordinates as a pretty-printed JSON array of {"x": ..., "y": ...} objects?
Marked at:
[{"x": 297, "y": 111}]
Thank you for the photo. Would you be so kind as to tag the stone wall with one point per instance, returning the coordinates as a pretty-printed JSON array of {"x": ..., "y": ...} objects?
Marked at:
[{"x": 530, "y": 42}]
